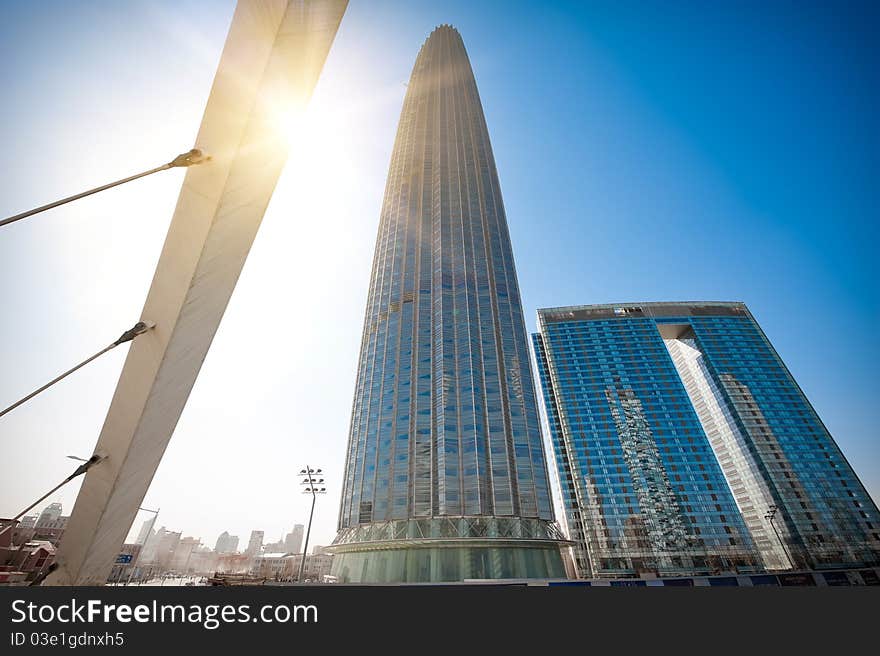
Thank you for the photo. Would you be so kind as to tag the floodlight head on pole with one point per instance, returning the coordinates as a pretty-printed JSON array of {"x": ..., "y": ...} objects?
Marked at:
[{"x": 311, "y": 488}]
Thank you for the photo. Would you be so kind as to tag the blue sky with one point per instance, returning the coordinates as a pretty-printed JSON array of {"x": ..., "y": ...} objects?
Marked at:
[{"x": 646, "y": 151}]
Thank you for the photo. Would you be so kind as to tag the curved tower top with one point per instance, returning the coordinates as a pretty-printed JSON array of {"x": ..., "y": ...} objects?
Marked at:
[{"x": 445, "y": 460}]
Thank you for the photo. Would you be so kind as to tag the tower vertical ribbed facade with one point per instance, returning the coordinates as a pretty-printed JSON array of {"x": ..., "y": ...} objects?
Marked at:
[{"x": 445, "y": 476}]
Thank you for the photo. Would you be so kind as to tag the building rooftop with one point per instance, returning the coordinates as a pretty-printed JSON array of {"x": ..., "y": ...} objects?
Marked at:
[{"x": 646, "y": 309}]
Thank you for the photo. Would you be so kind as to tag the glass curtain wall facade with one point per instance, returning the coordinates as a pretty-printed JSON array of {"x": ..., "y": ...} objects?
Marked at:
[
  {"x": 677, "y": 430},
  {"x": 445, "y": 476}
]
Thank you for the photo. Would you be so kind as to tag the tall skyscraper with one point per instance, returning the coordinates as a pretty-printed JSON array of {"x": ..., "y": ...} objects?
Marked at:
[
  {"x": 181, "y": 557},
  {"x": 684, "y": 445},
  {"x": 226, "y": 543},
  {"x": 445, "y": 476},
  {"x": 146, "y": 530},
  {"x": 293, "y": 541},
  {"x": 255, "y": 544},
  {"x": 159, "y": 547}
]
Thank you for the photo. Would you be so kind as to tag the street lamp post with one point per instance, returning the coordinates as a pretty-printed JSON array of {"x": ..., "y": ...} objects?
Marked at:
[
  {"x": 146, "y": 539},
  {"x": 188, "y": 558},
  {"x": 770, "y": 515},
  {"x": 313, "y": 489}
]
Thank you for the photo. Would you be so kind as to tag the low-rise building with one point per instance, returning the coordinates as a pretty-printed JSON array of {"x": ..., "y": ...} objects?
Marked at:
[
  {"x": 273, "y": 565},
  {"x": 51, "y": 529},
  {"x": 233, "y": 563},
  {"x": 26, "y": 562}
]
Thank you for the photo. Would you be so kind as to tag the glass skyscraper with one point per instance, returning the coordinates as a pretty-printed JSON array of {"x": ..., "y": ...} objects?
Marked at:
[
  {"x": 445, "y": 476},
  {"x": 684, "y": 445}
]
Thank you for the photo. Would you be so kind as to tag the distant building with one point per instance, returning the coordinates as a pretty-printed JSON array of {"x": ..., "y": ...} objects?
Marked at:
[
  {"x": 28, "y": 521},
  {"x": 182, "y": 554},
  {"x": 50, "y": 514},
  {"x": 317, "y": 566},
  {"x": 203, "y": 561},
  {"x": 233, "y": 563},
  {"x": 285, "y": 566},
  {"x": 51, "y": 530},
  {"x": 274, "y": 547},
  {"x": 145, "y": 532},
  {"x": 49, "y": 525},
  {"x": 226, "y": 543},
  {"x": 272, "y": 565},
  {"x": 255, "y": 544},
  {"x": 168, "y": 542},
  {"x": 160, "y": 548},
  {"x": 293, "y": 541}
]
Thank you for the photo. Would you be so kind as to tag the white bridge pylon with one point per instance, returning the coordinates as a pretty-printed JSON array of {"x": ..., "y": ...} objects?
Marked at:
[{"x": 270, "y": 64}]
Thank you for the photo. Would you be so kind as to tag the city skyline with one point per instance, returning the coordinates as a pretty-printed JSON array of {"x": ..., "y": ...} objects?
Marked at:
[
  {"x": 63, "y": 268},
  {"x": 45, "y": 515}
]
